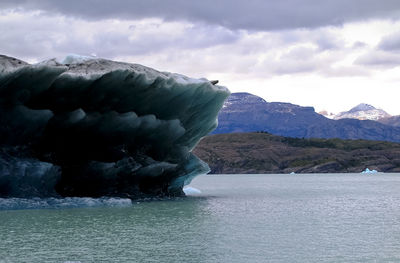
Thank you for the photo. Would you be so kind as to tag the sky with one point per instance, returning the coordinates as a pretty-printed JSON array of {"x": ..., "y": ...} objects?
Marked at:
[{"x": 331, "y": 54}]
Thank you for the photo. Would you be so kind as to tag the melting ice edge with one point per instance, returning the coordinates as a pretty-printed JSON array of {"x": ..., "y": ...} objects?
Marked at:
[{"x": 94, "y": 127}]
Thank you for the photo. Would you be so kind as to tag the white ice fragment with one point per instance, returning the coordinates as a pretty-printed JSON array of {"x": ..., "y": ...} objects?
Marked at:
[
  {"x": 188, "y": 190},
  {"x": 368, "y": 171}
]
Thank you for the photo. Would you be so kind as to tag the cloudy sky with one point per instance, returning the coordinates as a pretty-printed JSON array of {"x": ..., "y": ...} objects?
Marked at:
[{"x": 330, "y": 54}]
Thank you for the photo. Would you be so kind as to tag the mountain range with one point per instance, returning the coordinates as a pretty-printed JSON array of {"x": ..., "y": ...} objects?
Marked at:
[{"x": 245, "y": 112}]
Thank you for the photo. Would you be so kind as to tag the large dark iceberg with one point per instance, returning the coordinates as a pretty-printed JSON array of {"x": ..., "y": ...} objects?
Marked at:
[{"x": 95, "y": 127}]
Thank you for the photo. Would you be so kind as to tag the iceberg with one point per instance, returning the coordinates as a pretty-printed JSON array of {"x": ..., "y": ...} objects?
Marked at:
[{"x": 91, "y": 127}]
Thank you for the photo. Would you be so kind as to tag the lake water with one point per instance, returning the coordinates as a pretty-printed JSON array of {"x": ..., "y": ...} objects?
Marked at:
[{"x": 236, "y": 218}]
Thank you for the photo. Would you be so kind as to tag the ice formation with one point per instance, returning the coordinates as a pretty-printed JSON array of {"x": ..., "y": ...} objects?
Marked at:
[
  {"x": 368, "y": 171},
  {"x": 94, "y": 127}
]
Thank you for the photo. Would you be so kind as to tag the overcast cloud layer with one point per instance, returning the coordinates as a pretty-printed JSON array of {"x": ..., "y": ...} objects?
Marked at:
[
  {"x": 249, "y": 14},
  {"x": 328, "y": 54}
]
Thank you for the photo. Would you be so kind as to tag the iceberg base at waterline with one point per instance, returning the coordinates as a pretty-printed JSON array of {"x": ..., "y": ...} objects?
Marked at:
[
  {"x": 188, "y": 190},
  {"x": 94, "y": 127}
]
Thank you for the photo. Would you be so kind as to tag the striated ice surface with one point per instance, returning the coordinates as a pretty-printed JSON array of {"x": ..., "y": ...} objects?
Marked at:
[{"x": 92, "y": 127}]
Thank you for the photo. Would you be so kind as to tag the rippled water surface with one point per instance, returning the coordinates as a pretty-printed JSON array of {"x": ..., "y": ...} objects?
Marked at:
[{"x": 235, "y": 218}]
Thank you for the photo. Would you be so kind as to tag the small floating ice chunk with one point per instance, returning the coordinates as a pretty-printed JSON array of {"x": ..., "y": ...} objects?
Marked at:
[
  {"x": 368, "y": 171},
  {"x": 188, "y": 190},
  {"x": 292, "y": 173}
]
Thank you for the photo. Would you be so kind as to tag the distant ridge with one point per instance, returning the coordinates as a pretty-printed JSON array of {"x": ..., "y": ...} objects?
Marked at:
[
  {"x": 245, "y": 112},
  {"x": 392, "y": 121},
  {"x": 265, "y": 153}
]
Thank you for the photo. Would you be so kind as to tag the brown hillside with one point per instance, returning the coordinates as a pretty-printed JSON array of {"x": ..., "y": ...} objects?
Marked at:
[{"x": 266, "y": 153}]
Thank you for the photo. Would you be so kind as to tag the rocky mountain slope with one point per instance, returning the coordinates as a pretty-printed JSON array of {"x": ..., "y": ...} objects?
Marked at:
[
  {"x": 244, "y": 112},
  {"x": 392, "y": 121},
  {"x": 266, "y": 153}
]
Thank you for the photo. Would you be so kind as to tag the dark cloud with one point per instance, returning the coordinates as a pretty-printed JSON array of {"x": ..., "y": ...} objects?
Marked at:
[
  {"x": 250, "y": 14},
  {"x": 391, "y": 42}
]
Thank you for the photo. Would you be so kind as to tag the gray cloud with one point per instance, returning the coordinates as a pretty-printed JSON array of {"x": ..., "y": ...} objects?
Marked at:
[
  {"x": 37, "y": 37},
  {"x": 328, "y": 42},
  {"x": 111, "y": 44},
  {"x": 322, "y": 38},
  {"x": 345, "y": 71},
  {"x": 359, "y": 44},
  {"x": 379, "y": 59},
  {"x": 251, "y": 14},
  {"x": 294, "y": 67},
  {"x": 391, "y": 42},
  {"x": 187, "y": 47}
]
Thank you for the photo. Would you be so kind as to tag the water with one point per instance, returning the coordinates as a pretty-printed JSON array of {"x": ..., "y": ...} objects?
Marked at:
[{"x": 235, "y": 218}]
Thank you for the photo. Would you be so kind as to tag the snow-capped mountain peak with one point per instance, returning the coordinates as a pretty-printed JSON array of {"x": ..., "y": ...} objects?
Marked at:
[
  {"x": 362, "y": 107},
  {"x": 363, "y": 111}
]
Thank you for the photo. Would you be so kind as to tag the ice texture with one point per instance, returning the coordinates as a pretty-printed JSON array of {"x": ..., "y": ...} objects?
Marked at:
[
  {"x": 14, "y": 203},
  {"x": 94, "y": 127}
]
